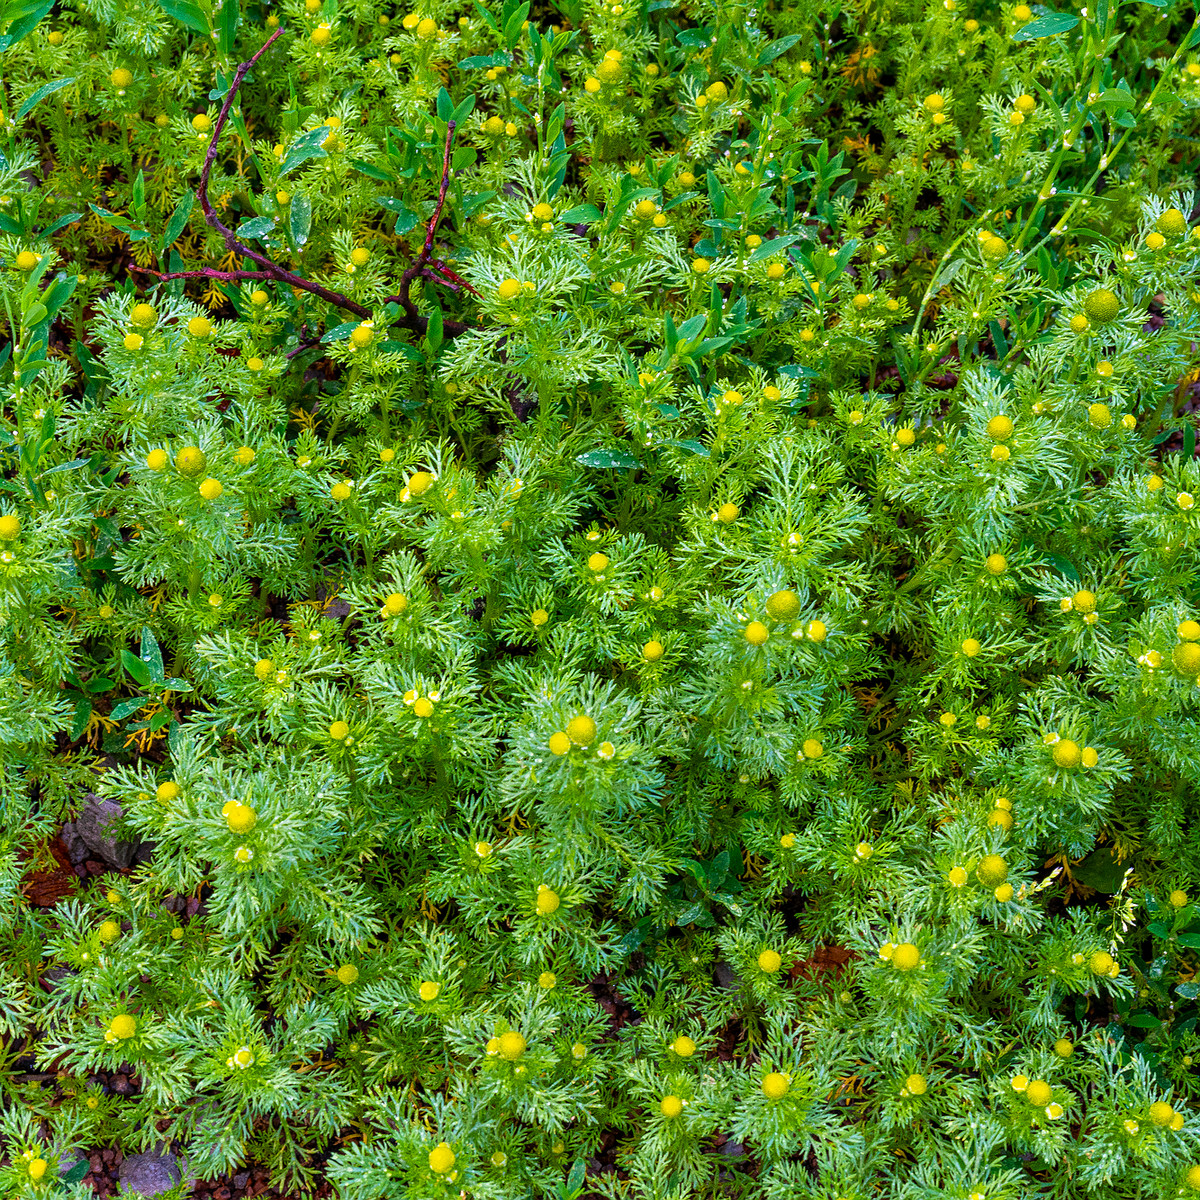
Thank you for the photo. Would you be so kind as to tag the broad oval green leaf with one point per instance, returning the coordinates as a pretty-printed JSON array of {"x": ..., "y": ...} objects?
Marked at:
[
  {"x": 256, "y": 227},
  {"x": 306, "y": 146},
  {"x": 187, "y": 14},
  {"x": 300, "y": 218},
  {"x": 1050, "y": 26},
  {"x": 608, "y": 459}
]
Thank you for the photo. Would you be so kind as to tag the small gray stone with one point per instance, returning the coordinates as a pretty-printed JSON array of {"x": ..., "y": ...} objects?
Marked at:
[
  {"x": 92, "y": 826},
  {"x": 77, "y": 848},
  {"x": 70, "y": 1159},
  {"x": 55, "y": 975},
  {"x": 727, "y": 977},
  {"x": 150, "y": 1174}
]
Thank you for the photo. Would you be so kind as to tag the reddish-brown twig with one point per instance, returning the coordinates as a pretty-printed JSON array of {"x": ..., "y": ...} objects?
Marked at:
[
  {"x": 421, "y": 262},
  {"x": 271, "y": 270},
  {"x": 450, "y": 276},
  {"x": 231, "y": 241}
]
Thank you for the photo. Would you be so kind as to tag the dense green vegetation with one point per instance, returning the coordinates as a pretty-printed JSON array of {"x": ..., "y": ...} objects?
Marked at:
[{"x": 601, "y": 601}]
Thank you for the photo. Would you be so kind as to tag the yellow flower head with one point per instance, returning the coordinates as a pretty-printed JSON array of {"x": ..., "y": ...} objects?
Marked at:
[
  {"x": 122, "y": 1027},
  {"x": 511, "y": 1045},
  {"x": 441, "y": 1159}
]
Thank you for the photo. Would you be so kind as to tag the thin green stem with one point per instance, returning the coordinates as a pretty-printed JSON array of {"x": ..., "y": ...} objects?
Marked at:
[{"x": 1105, "y": 159}]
